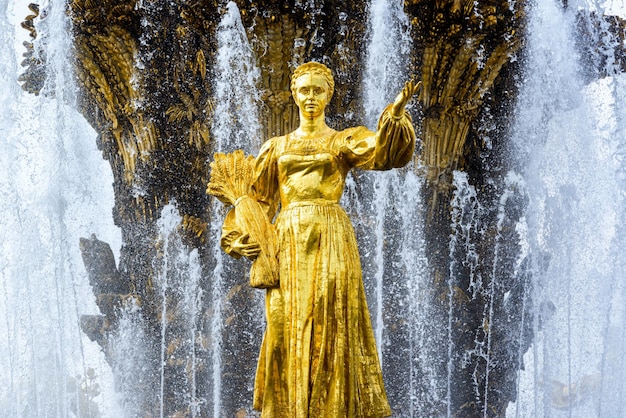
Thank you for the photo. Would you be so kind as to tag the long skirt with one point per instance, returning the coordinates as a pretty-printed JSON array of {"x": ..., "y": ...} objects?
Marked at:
[{"x": 318, "y": 356}]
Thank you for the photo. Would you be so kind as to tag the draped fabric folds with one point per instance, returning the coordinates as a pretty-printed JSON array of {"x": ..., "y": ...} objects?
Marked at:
[{"x": 318, "y": 357}]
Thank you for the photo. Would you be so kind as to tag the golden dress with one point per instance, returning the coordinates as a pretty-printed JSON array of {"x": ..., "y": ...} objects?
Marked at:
[{"x": 318, "y": 357}]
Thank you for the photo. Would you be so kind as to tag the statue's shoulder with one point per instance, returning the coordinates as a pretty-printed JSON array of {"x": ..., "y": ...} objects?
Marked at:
[
  {"x": 275, "y": 140},
  {"x": 355, "y": 133},
  {"x": 271, "y": 144}
]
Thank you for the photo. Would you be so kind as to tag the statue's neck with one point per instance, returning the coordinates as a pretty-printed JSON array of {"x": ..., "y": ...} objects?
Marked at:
[{"x": 311, "y": 127}]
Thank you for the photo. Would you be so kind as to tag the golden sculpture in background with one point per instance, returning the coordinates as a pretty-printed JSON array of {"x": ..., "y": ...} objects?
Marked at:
[{"x": 318, "y": 357}]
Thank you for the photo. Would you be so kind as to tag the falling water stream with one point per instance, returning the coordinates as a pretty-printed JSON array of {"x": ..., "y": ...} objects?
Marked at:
[
  {"x": 236, "y": 126},
  {"x": 569, "y": 144},
  {"x": 55, "y": 189},
  {"x": 570, "y": 140},
  {"x": 386, "y": 66}
]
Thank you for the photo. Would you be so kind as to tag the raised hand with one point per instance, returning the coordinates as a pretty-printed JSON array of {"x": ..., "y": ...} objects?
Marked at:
[{"x": 410, "y": 88}]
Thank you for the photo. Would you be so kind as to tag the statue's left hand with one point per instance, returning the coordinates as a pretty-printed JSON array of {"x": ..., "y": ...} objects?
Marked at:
[{"x": 410, "y": 88}]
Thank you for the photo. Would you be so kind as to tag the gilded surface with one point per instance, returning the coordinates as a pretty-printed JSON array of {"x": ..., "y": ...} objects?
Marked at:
[
  {"x": 231, "y": 177},
  {"x": 318, "y": 357}
]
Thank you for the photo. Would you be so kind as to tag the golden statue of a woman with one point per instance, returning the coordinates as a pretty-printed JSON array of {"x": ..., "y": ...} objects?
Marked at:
[{"x": 318, "y": 357}]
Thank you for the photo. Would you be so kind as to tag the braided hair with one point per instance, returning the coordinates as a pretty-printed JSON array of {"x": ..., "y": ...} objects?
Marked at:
[{"x": 314, "y": 68}]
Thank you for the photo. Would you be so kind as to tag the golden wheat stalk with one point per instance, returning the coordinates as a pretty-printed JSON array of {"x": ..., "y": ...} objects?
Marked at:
[{"x": 231, "y": 177}]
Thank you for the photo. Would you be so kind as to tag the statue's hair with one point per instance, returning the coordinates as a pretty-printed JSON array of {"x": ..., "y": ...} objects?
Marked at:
[{"x": 314, "y": 68}]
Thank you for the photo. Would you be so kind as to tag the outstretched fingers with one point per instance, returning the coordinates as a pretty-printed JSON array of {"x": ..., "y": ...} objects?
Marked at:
[
  {"x": 414, "y": 87},
  {"x": 408, "y": 91}
]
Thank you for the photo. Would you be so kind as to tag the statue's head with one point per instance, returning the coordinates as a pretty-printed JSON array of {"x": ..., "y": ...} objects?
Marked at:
[
  {"x": 312, "y": 86},
  {"x": 317, "y": 69}
]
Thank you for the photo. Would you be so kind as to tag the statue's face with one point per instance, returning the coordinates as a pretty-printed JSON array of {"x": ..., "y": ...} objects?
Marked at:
[{"x": 311, "y": 94}]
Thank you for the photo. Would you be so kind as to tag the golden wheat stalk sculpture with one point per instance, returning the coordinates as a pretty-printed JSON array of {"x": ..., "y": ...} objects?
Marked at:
[{"x": 230, "y": 181}]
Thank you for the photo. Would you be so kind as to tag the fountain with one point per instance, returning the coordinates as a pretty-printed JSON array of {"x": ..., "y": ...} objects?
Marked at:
[
  {"x": 48, "y": 365},
  {"x": 572, "y": 227},
  {"x": 493, "y": 265}
]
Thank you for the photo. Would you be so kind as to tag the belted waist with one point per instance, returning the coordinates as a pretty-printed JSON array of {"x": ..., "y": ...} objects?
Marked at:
[{"x": 313, "y": 202}]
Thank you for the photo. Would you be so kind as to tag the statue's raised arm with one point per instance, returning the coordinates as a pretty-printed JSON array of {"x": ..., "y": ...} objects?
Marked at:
[
  {"x": 393, "y": 143},
  {"x": 408, "y": 91}
]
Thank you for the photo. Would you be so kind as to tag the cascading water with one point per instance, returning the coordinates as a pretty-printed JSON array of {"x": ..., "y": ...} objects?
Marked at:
[
  {"x": 236, "y": 126},
  {"x": 178, "y": 280},
  {"x": 392, "y": 249},
  {"x": 466, "y": 214},
  {"x": 236, "y": 119},
  {"x": 129, "y": 361},
  {"x": 570, "y": 141},
  {"x": 485, "y": 266},
  {"x": 55, "y": 188},
  {"x": 387, "y": 49},
  {"x": 177, "y": 283},
  {"x": 386, "y": 65}
]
